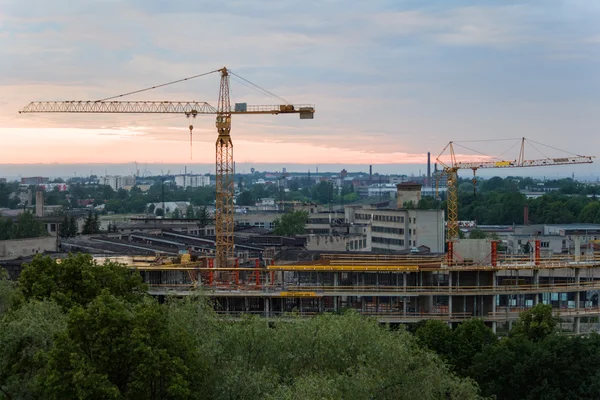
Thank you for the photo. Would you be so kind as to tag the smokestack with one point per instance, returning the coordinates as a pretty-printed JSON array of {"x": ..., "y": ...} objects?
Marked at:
[
  {"x": 370, "y": 174},
  {"x": 39, "y": 204},
  {"x": 428, "y": 165}
]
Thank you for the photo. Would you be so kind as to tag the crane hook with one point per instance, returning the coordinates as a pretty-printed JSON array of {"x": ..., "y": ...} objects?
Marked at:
[{"x": 191, "y": 129}]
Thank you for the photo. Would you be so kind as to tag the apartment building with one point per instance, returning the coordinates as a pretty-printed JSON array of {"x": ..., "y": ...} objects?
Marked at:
[
  {"x": 117, "y": 182},
  {"x": 193, "y": 181}
]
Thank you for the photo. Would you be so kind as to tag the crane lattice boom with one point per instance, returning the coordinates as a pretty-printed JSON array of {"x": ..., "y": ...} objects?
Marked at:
[
  {"x": 224, "y": 185},
  {"x": 451, "y": 172},
  {"x": 189, "y": 108},
  {"x": 525, "y": 163}
]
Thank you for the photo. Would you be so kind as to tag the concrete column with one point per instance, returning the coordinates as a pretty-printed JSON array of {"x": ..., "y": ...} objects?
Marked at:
[
  {"x": 577, "y": 248},
  {"x": 267, "y": 306},
  {"x": 577, "y": 325},
  {"x": 536, "y": 284},
  {"x": 577, "y": 282},
  {"x": 404, "y": 281},
  {"x": 450, "y": 294},
  {"x": 404, "y": 305}
]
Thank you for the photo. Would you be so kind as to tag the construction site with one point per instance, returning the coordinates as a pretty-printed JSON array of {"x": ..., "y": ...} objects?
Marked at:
[{"x": 468, "y": 278}]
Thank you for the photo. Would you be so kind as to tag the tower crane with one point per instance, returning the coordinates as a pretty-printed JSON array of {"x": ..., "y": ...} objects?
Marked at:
[
  {"x": 224, "y": 185},
  {"x": 450, "y": 170}
]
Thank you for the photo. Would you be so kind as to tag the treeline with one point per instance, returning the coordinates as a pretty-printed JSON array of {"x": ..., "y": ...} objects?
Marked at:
[
  {"x": 75, "y": 330},
  {"x": 506, "y": 208},
  {"x": 25, "y": 226},
  {"x": 533, "y": 362},
  {"x": 323, "y": 192}
]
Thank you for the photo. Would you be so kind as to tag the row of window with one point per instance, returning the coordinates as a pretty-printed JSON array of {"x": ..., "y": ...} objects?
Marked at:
[
  {"x": 357, "y": 244},
  {"x": 385, "y": 229},
  {"x": 268, "y": 225},
  {"x": 397, "y": 242},
  {"x": 385, "y": 218}
]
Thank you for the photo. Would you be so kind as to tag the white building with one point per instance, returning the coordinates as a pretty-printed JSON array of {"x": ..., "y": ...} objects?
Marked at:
[
  {"x": 117, "y": 182},
  {"x": 392, "y": 230},
  {"x": 186, "y": 181}
]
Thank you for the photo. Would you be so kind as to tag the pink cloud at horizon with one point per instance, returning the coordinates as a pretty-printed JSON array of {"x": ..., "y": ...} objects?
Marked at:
[{"x": 72, "y": 145}]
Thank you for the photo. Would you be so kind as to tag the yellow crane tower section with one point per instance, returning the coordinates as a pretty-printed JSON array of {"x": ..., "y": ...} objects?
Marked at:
[
  {"x": 450, "y": 170},
  {"x": 224, "y": 210}
]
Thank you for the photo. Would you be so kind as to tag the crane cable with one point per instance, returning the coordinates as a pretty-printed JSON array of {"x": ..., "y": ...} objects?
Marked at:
[
  {"x": 158, "y": 86},
  {"x": 263, "y": 90}
]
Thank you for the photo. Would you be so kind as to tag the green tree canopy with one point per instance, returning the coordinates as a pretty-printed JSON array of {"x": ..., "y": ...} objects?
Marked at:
[
  {"x": 536, "y": 323},
  {"x": 78, "y": 279},
  {"x": 290, "y": 224},
  {"x": 26, "y": 226}
]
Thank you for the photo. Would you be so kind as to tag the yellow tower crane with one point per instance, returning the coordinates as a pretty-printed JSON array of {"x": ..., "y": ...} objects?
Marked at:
[
  {"x": 450, "y": 170},
  {"x": 224, "y": 185}
]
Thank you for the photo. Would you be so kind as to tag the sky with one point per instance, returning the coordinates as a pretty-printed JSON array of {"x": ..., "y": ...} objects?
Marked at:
[{"x": 390, "y": 79}]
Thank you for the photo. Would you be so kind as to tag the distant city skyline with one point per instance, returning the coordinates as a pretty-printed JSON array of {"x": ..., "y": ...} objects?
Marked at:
[
  {"x": 586, "y": 171},
  {"x": 391, "y": 80}
]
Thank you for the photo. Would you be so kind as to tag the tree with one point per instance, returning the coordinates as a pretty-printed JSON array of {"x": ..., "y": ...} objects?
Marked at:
[
  {"x": 151, "y": 208},
  {"x": 176, "y": 214},
  {"x": 115, "y": 349},
  {"x": 26, "y": 226},
  {"x": 189, "y": 213},
  {"x": 557, "y": 367},
  {"x": 8, "y": 293},
  {"x": 436, "y": 336},
  {"x": 245, "y": 199},
  {"x": 26, "y": 333},
  {"x": 88, "y": 224},
  {"x": 95, "y": 224},
  {"x": 291, "y": 224},
  {"x": 203, "y": 219},
  {"x": 73, "y": 227},
  {"x": 468, "y": 339},
  {"x": 78, "y": 279},
  {"x": 63, "y": 231},
  {"x": 477, "y": 234},
  {"x": 536, "y": 323},
  {"x": 323, "y": 192},
  {"x": 458, "y": 346}
]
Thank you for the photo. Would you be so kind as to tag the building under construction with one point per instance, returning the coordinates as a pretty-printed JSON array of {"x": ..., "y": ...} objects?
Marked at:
[{"x": 475, "y": 282}]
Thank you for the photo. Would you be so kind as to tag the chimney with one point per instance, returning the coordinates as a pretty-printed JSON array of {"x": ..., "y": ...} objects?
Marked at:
[
  {"x": 39, "y": 204},
  {"x": 428, "y": 165},
  {"x": 370, "y": 174},
  {"x": 29, "y": 197}
]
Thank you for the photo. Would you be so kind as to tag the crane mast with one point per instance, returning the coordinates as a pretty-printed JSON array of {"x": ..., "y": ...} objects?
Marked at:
[
  {"x": 224, "y": 184},
  {"x": 224, "y": 212}
]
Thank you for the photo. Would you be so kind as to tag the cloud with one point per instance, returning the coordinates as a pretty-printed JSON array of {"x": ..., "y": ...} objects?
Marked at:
[{"x": 388, "y": 78}]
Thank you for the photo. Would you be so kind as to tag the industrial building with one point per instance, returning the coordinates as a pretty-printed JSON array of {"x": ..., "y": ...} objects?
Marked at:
[{"x": 34, "y": 180}]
